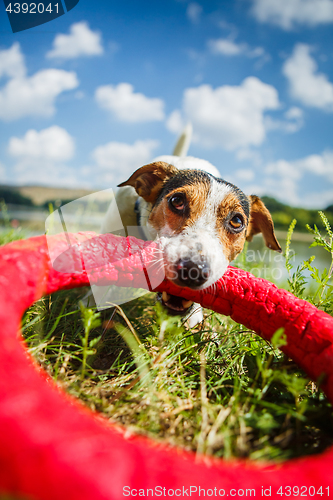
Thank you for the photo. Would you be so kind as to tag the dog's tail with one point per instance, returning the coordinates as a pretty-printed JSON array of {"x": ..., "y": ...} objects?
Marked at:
[{"x": 184, "y": 141}]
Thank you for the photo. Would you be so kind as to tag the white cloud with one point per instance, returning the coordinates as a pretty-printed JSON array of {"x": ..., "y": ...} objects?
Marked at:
[
  {"x": 79, "y": 94},
  {"x": 35, "y": 95},
  {"x": 40, "y": 157},
  {"x": 193, "y": 12},
  {"x": 306, "y": 84},
  {"x": 118, "y": 160},
  {"x": 317, "y": 164},
  {"x": 283, "y": 188},
  {"x": 12, "y": 62},
  {"x": 228, "y": 117},
  {"x": 247, "y": 154},
  {"x": 227, "y": 47},
  {"x": 284, "y": 168},
  {"x": 128, "y": 106},
  {"x": 283, "y": 179},
  {"x": 294, "y": 113},
  {"x": 81, "y": 41},
  {"x": 51, "y": 144},
  {"x": 318, "y": 199},
  {"x": 245, "y": 174},
  {"x": 288, "y": 13},
  {"x": 293, "y": 121},
  {"x": 175, "y": 122}
]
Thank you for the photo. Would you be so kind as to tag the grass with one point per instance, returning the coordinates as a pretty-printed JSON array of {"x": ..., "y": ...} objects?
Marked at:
[
  {"x": 8, "y": 233},
  {"x": 218, "y": 389}
]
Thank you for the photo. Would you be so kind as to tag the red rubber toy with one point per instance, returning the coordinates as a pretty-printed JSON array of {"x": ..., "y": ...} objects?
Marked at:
[{"x": 53, "y": 448}]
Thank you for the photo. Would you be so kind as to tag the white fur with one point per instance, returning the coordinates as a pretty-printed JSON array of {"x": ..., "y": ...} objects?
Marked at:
[{"x": 196, "y": 316}]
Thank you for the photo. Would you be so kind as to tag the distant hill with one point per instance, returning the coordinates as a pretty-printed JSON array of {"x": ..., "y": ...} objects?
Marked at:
[
  {"x": 283, "y": 215},
  {"x": 39, "y": 195},
  {"x": 13, "y": 196}
]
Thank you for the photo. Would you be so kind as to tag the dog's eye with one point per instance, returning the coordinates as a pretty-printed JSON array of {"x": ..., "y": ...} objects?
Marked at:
[
  {"x": 236, "y": 222},
  {"x": 177, "y": 201}
]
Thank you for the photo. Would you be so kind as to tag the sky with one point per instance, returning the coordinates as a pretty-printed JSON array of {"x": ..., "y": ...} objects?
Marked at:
[{"x": 91, "y": 96}]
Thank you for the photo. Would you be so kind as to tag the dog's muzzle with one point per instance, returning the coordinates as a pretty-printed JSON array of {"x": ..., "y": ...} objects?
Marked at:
[
  {"x": 192, "y": 274},
  {"x": 187, "y": 273}
]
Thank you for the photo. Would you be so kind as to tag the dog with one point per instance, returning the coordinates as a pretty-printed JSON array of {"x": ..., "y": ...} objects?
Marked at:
[{"x": 201, "y": 221}]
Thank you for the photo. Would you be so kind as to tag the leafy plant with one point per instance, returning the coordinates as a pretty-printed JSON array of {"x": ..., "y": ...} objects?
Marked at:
[
  {"x": 323, "y": 295},
  {"x": 297, "y": 281}
]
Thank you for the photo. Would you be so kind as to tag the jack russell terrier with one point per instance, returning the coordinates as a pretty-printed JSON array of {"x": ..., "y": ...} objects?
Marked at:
[{"x": 201, "y": 220}]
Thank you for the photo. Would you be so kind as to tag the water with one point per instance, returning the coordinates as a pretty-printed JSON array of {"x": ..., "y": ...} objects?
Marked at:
[{"x": 265, "y": 263}]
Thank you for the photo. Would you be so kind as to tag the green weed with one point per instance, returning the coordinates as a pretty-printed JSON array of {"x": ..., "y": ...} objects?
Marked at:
[
  {"x": 7, "y": 232},
  {"x": 218, "y": 389}
]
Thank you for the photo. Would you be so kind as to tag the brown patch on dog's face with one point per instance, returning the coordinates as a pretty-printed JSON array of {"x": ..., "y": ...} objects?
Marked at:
[
  {"x": 179, "y": 208},
  {"x": 224, "y": 214},
  {"x": 261, "y": 222},
  {"x": 231, "y": 225},
  {"x": 148, "y": 180}
]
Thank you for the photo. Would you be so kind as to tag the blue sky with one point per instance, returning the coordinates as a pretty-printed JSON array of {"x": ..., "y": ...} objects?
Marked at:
[{"x": 93, "y": 95}]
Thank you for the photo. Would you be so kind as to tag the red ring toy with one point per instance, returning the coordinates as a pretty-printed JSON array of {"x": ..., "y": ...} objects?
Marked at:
[{"x": 51, "y": 447}]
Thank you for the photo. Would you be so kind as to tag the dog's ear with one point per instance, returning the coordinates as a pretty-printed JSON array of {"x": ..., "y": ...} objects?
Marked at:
[
  {"x": 149, "y": 179},
  {"x": 261, "y": 222}
]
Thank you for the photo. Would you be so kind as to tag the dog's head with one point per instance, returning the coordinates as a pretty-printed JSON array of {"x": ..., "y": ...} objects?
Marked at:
[{"x": 202, "y": 221}]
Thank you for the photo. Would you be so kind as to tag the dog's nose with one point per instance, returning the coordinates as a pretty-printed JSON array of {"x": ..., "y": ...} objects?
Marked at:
[{"x": 192, "y": 274}]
